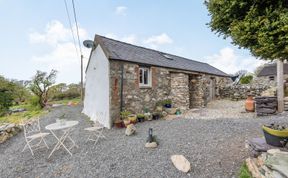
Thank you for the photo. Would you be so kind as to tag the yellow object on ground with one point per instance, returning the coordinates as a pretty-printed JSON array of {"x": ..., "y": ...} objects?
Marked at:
[{"x": 279, "y": 133}]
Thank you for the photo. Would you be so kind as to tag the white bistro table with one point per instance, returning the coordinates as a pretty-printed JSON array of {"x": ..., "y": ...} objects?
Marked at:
[{"x": 66, "y": 127}]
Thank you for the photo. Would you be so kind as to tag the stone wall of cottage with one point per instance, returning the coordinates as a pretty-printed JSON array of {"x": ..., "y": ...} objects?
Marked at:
[
  {"x": 136, "y": 98},
  {"x": 185, "y": 90},
  {"x": 180, "y": 90},
  {"x": 200, "y": 88}
]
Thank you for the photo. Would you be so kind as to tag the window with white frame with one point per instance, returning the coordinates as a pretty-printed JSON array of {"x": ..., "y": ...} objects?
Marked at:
[{"x": 144, "y": 77}]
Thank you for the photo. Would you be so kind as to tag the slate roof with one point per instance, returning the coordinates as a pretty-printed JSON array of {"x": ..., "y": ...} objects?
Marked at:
[
  {"x": 118, "y": 50},
  {"x": 271, "y": 70}
]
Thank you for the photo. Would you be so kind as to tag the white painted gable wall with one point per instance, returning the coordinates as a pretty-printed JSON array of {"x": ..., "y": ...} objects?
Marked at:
[{"x": 97, "y": 88}]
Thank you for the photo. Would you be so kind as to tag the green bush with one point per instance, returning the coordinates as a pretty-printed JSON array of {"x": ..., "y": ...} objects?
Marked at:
[
  {"x": 246, "y": 79},
  {"x": 6, "y": 100},
  {"x": 34, "y": 103}
]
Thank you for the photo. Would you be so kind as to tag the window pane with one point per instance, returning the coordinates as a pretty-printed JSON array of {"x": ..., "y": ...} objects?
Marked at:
[
  {"x": 145, "y": 76},
  {"x": 141, "y": 76}
]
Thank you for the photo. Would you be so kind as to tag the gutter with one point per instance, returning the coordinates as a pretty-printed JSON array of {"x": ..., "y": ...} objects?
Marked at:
[{"x": 121, "y": 88}]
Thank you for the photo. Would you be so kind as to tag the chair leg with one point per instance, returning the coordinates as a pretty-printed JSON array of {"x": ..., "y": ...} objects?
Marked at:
[
  {"x": 96, "y": 140},
  {"x": 45, "y": 143},
  {"x": 25, "y": 147},
  {"x": 30, "y": 149}
]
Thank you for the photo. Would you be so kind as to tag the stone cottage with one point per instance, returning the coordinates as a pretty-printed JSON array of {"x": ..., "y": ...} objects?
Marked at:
[
  {"x": 269, "y": 72},
  {"x": 122, "y": 76}
]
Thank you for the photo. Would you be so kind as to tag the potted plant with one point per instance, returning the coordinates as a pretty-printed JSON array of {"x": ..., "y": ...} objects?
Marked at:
[
  {"x": 167, "y": 103},
  {"x": 276, "y": 135},
  {"x": 178, "y": 112},
  {"x": 140, "y": 117},
  {"x": 156, "y": 116},
  {"x": 132, "y": 118},
  {"x": 147, "y": 114},
  {"x": 159, "y": 106},
  {"x": 61, "y": 119},
  {"x": 124, "y": 116}
]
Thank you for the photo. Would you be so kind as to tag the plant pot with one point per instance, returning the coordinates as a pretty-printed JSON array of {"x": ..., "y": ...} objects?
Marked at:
[
  {"x": 126, "y": 122},
  {"x": 156, "y": 116},
  {"x": 168, "y": 106},
  {"x": 275, "y": 137},
  {"x": 119, "y": 124},
  {"x": 132, "y": 118},
  {"x": 148, "y": 116},
  {"x": 141, "y": 119},
  {"x": 250, "y": 104}
]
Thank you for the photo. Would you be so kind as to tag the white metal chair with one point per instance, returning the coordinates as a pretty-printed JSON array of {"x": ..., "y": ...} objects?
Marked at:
[
  {"x": 96, "y": 132},
  {"x": 32, "y": 132}
]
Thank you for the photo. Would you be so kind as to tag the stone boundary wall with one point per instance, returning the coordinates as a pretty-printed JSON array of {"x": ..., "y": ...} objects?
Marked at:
[
  {"x": 7, "y": 131},
  {"x": 240, "y": 91}
]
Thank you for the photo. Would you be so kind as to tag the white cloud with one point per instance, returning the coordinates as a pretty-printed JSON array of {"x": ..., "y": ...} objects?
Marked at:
[
  {"x": 155, "y": 41},
  {"x": 63, "y": 56},
  {"x": 55, "y": 33},
  {"x": 121, "y": 10},
  {"x": 230, "y": 63}
]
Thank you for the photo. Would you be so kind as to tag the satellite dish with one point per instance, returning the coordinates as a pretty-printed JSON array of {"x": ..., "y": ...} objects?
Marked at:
[{"x": 88, "y": 43}]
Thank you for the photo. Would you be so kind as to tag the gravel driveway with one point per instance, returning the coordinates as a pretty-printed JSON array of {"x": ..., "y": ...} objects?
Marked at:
[{"x": 215, "y": 148}]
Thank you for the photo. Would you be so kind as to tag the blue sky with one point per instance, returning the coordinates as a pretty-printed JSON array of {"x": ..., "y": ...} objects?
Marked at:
[{"x": 35, "y": 35}]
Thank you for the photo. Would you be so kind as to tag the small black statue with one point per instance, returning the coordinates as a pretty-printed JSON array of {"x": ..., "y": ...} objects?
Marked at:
[{"x": 150, "y": 135}]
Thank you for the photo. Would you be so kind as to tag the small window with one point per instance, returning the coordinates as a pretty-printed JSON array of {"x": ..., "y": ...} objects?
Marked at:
[
  {"x": 271, "y": 78},
  {"x": 144, "y": 77}
]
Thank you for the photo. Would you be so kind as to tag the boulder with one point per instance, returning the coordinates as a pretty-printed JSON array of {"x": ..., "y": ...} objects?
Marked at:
[
  {"x": 181, "y": 163},
  {"x": 131, "y": 129},
  {"x": 151, "y": 145},
  {"x": 4, "y": 137}
]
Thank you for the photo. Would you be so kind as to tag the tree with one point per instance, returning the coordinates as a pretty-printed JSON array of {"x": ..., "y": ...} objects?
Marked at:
[
  {"x": 5, "y": 95},
  {"x": 20, "y": 91},
  {"x": 259, "y": 26},
  {"x": 41, "y": 84}
]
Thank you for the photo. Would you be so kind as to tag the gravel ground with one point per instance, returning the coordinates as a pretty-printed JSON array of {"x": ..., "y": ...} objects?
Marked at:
[
  {"x": 220, "y": 109},
  {"x": 214, "y": 147}
]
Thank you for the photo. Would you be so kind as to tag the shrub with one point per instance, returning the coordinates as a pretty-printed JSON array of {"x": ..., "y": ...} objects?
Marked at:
[
  {"x": 246, "y": 79},
  {"x": 6, "y": 100},
  {"x": 124, "y": 114},
  {"x": 34, "y": 103}
]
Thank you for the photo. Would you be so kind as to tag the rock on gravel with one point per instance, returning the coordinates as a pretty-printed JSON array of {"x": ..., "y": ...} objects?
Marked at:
[
  {"x": 181, "y": 163},
  {"x": 151, "y": 145}
]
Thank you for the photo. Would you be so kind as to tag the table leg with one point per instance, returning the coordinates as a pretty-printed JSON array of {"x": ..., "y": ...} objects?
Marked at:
[{"x": 60, "y": 142}]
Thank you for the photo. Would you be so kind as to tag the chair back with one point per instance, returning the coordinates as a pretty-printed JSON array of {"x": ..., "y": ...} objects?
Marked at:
[{"x": 31, "y": 127}]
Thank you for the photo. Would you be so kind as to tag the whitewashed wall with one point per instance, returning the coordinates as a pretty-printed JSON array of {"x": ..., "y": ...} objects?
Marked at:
[{"x": 97, "y": 88}]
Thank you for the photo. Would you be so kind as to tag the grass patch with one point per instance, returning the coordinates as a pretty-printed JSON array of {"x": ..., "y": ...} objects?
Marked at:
[
  {"x": 244, "y": 172},
  {"x": 66, "y": 101},
  {"x": 19, "y": 117}
]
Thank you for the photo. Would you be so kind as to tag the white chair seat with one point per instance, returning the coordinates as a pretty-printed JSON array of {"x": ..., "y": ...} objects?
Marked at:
[
  {"x": 92, "y": 129},
  {"x": 38, "y": 135}
]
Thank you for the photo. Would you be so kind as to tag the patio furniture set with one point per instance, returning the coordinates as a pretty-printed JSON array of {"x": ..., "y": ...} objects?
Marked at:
[{"x": 61, "y": 130}]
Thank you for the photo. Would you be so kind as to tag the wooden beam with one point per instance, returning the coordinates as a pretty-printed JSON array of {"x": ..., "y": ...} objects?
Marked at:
[{"x": 280, "y": 86}]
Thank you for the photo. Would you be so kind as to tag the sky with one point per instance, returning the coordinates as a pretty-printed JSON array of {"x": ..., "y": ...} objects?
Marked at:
[{"x": 35, "y": 35}]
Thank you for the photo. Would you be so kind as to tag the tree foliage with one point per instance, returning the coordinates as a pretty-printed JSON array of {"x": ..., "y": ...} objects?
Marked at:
[
  {"x": 63, "y": 91},
  {"x": 5, "y": 95},
  {"x": 260, "y": 26},
  {"x": 246, "y": 79},
  {"x": 41, "y": 84}
]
